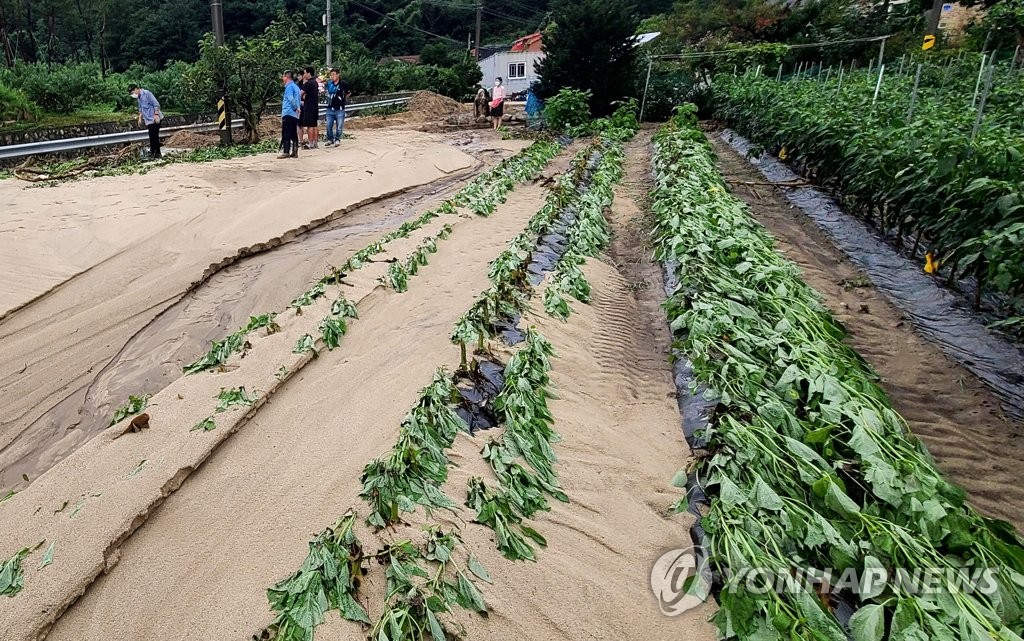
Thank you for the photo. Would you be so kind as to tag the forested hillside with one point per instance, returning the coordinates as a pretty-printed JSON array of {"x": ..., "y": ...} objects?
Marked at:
[{"x": 119, "y": 33}]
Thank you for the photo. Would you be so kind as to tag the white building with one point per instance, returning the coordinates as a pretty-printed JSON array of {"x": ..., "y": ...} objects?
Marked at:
[{"x": 514, "y": 67}]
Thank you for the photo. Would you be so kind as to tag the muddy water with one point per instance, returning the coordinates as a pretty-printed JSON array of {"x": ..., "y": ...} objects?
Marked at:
[{"x": 154, "y": 356}]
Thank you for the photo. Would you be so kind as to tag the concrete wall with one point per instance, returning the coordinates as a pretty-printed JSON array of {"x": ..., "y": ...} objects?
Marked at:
[{"x": 497, "y": 66}]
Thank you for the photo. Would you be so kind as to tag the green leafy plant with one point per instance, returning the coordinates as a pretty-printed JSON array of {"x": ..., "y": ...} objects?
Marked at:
[
  {"x": 12, "y": 576},
  {"x": 568, "y": 109},
  {"x": 413, "y": 471},
  {"x": 555, "y": 304},
  {"x": 495, "y": 510},
  {"x": 423, "y": 585},
  {"x": 328, "y": 580},
  {"x": 397, "y": 278},
  {"x": 205, "y": 425},
  {"x": 332, "y": 329},
  {"x": 134, "y": 405},
  {"x": 305, "y": 344},
  {"x": 308, "y": 297},
  {"x": 233, "y": 396},
  {"x": 811, "y": 466},
  {"x": 344, "y": 308},
  {"x": 221, "y": 351}
]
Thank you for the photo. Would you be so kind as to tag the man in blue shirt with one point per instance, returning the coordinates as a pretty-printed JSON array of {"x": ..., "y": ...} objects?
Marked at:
[
  {"x": 149, "y": 112},
  {"x": 290, "y": 103},
  {"x": 338, "y": 92}
]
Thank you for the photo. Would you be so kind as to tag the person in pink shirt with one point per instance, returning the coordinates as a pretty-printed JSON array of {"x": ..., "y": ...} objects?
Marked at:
[{"x": 497, "y": 103}]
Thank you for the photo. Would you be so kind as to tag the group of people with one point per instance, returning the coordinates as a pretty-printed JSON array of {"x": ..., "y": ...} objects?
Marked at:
[{"x": 300, "y": 110}]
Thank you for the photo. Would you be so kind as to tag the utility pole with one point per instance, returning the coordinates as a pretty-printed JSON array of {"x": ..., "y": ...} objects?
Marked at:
[
  {"x": 931, "y": 30},
  {"x": 223, "y": 115},
  {"x": 479, "y": 12},
  {"x": 217, "y": 13},
  {"x": 327, "y": 23}
]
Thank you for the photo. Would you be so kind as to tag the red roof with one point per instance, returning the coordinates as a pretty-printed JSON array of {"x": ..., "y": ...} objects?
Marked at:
[{"x": 527, "y": 43}]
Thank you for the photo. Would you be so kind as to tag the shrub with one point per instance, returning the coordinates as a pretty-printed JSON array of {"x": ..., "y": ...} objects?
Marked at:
[
  {"x": 567, "y": 109},
  {"x": 62, "y": 89},
  {"x": 172, "y": 86},
  {"x": 15, "y": 105},
  {"x": 670, "y": 87},
  {"x": 362, "y": 74}
]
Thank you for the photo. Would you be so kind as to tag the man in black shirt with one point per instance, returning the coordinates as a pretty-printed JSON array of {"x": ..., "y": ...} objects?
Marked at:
[
  {"x": 310, "y": 107},
  {"x": 338, "y": 92}
]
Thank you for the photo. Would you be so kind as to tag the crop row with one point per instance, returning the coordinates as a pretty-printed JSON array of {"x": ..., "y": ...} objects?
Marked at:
[
  {"x": 587, "y": 234},
  {"x": 480, "y": 196},
  {"x": 809, "y": 468},
  {"x": 929, "y": 179},
  {"x": 427, "y": 579}
]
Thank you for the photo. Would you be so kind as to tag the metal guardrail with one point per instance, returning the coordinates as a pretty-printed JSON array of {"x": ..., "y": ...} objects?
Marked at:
[{"x": 100, "y": 140}]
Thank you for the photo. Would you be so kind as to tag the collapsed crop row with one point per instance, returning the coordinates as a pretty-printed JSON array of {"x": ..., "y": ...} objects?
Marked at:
[
  {"x": 808, "y": 467},
  {"x": 426, "y": 580},
  {"x": 480, "y": 196}
]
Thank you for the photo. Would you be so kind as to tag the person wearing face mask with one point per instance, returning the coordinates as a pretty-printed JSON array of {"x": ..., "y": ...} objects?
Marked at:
[
  {"x": 497, "y": 103},
  {"x": 149, "y": 112}
]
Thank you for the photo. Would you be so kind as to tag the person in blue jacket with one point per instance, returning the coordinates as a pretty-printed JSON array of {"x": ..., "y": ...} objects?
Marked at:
[
  {"x": 534, "y": 106},
  {"x": 290, "y": 103}
]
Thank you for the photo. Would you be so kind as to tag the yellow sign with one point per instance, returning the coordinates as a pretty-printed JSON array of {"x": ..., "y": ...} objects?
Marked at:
[
  {"x": 929, "y": 42},
  {"x": 221, "y": 116}
]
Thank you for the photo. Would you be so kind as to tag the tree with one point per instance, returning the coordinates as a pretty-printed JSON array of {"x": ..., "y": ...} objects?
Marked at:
[
  {"x": 438, "y": 53},
  {"x": 591, "y": 48},
  {"x": 251, "y": 68},
  {"x": 1007, "y": 17}
]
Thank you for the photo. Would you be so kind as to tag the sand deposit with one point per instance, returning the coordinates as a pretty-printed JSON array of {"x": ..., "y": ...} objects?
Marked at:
[
  {"x": 102, "y": 258},
  {"x": 174, "y": 534}
]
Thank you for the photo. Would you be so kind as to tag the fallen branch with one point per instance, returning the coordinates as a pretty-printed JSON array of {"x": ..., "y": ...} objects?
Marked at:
[{"x": 32, "y": 174}]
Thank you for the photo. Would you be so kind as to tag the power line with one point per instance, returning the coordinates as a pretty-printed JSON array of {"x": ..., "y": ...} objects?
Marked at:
[
  {"x": 448, "y": 5},
  {"x": 402, "y": 24},
  {"x": 498, "y": 14},
  {"x": 522, "y": 7}
]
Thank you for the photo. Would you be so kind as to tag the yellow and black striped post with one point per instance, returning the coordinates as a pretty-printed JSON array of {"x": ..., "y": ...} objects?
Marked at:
[{"x": 223, "y": 122}]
